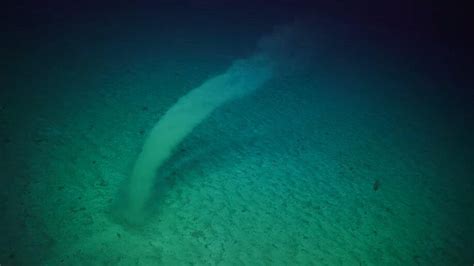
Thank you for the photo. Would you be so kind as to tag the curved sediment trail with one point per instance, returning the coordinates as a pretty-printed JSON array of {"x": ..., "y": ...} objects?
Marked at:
[{"x": 241, "y": 78}]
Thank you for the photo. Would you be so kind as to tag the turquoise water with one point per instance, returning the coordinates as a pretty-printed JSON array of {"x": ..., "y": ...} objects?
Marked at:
[{"x": 358, "y": 154}]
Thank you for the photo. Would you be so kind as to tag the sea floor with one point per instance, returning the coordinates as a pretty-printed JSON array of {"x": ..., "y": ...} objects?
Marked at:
[{"x": 330, "y": 165}]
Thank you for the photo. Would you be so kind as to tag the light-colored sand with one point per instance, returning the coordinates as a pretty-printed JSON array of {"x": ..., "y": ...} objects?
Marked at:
[{"x": 282, "y": 177}]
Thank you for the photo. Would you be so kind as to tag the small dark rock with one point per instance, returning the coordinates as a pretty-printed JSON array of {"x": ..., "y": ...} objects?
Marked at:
[
  {"x": 198, "y": 234},
  {"x": 376, "y": 185},
  {"x": 145, "y": 108},
  {"x": 103, "y": 183}
]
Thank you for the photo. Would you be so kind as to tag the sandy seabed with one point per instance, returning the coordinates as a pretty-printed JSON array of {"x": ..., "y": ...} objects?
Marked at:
[{"x": 326, "y": 166}]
